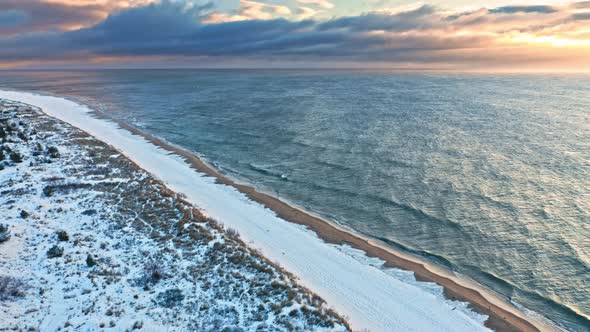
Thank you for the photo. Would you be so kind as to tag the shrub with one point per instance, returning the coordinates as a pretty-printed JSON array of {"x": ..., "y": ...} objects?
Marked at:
[
  {"x": 90, "y": 261},
  {"x": 63, "y": 236},
  {"x": 11, "y": 287},
  {"x": 48, "y": 191},
  {"x": 24, "y": 214},
  {"x": 153, "y": 272},
  {"x": 55, "y": 252},
  {"x": 89, "y": 212},
  {"x": 16, "y": 157},
  {"x": 4, "y": 233},
  {"x": 170, "y": 298},
  {"x": 37, "y": 150},
  {"x": 232, "y": 233},
  {"x": 22, "y": 136},
  {"x": 53, "y": 152}
]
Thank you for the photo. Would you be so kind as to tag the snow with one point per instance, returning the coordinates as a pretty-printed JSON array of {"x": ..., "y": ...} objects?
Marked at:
[
  {"x": 155, "y": 261},
  {"x": 371, "y": 297}
]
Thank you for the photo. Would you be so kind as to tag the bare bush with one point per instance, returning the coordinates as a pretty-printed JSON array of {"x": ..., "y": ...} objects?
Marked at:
[
  {"x": 232, "y": 233},
  {"x": 11, "y": 287},
  {"x": 153, "y": 272},
  {"x": 16, "y": 157},
  {"x": 50, "y": 190},
  {"x": 53, "y": 152},
  {"x": 62, "y": 235},
  {"x": 4, "y": 233},
  {"x": 90, "y": 261},
  {"x": 170, "y": 298},
  {"x": 55, "y": 252}
]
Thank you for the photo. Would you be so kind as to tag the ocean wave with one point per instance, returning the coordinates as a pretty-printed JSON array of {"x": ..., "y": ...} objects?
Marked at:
[
  {"x": 529, "y": 298},
  {"x": 415, "y": 211},
  {"x": 440, "y": 260},
  {"x": 267, "y": 170}
]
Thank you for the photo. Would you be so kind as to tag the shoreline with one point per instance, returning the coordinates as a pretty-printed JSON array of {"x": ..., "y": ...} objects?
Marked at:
[
  {"x": 114, "y": 233},
  {"x": 500, "y": 319},
  {"x": 503, "y": 316}
]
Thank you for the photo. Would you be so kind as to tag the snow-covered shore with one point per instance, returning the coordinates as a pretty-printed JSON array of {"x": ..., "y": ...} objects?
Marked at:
[
  {"x": 369, "y": 296},
  {"x": 90, "y": 241}
]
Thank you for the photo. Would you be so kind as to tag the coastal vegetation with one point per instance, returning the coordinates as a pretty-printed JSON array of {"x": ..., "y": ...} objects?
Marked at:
[{"x": 91, "y": 241}]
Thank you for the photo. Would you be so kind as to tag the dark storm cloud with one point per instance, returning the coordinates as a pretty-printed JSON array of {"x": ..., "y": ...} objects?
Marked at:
[
  {"x": 171, "y": 28},
  {"x": 168, "y": 28},
  {"x": 153, "y": 23}
]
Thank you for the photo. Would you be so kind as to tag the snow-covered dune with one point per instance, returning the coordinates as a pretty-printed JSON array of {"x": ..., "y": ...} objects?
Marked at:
[{"x": 371, "y": 297}]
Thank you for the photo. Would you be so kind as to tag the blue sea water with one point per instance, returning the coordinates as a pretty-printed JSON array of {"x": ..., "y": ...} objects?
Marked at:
[{"x": 486, "y": 174}]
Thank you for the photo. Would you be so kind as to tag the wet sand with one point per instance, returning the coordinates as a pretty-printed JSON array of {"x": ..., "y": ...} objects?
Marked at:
[{"x": 502, "y": 315}]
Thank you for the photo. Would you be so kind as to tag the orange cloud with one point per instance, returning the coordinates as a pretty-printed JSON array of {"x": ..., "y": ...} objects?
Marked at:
[
  {"x": 306, "y": 12},
  {"x": 249, "y": 10},
  {"x": 320, "y": 3}
]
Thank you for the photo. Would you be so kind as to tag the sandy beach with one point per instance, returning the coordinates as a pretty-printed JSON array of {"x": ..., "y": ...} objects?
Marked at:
[
  {"x": 502, "y": 316},
  {"x": 90, "y": 241}
]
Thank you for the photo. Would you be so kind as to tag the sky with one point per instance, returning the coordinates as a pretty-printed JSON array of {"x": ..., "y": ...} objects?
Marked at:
[{"x": 457, "y": 35}]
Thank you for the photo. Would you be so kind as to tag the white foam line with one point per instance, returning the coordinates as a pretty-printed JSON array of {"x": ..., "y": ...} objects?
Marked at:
[{"x": 370, "y": 297}]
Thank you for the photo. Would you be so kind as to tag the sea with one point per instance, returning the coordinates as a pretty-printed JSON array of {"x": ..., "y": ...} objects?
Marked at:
[{"x": 485, "y": 174}]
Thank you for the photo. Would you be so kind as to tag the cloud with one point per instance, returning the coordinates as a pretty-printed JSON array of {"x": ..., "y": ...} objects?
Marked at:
[
  {"x": 320, "y": 3},
  {"x": 581, "y": 5},
  {"x": 420, "y": 18},
  {"x": 258, "y": 32},
  {"x": 305, "y": 13},
  {"x": 249, "y": 10},
  {"x": 13, "y": 18},
  {"x": 43, "y": 15},
  {"x": 524, "y": 9},
  {"x": 258, "y": 10},
  {"x": 102, "y": 3},
  {"x": 581, "y": 16}
]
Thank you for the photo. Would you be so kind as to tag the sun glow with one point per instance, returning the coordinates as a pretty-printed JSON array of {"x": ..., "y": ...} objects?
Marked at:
[{"x": 554, "y": 41}]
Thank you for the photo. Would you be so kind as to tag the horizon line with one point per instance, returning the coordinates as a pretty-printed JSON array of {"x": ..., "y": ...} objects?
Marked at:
[{"x": 374, "y": 69}]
